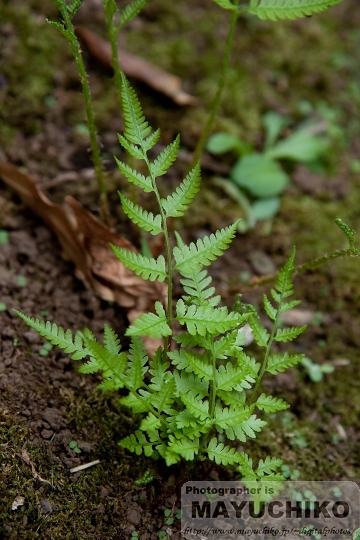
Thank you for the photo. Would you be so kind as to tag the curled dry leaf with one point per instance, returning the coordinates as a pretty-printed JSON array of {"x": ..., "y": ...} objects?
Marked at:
[
  {"x": 137, "y": 68},
  {"x": 25, "y": 457},
  {"x": 85, "y": 241},
  {"x": 18, "y": 501}
]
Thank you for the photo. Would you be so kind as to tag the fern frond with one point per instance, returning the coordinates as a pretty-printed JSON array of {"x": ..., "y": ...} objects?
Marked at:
[
  {"x": 188, "y": 383},
  {"x": 158, "y": 370},
  {"x": 222, "y": 454},
  {"x": 163, "y": 399},
  {"x": 197, "y": 407},
  {"x": 233, "y": 398},
  {"x": 191, "y": 362},
  {"x": 111, "y": 340},
  {"x": 190, "y": 259},
  {"x": 150, "y": 423},
  {"x": 149, "y": 324},
  {"x": 284, "y": 284},
  {"x": 111, "y": 365},
  {"x": 269, "y": 465},
  {"x": 185, "y": 447},
  {"x": 57, "y": 336},
  {"x": 224, "y": 346},
  {"x": 136, "y": 126},
  {"x": 132, "y": 149},
  {"x": 286, "y": 306},
  {"x": 287, "y": 9},
  {"x": 135, "y": 404},
  {"x": 195, "y": 285},
  {"x": 138, "y": 443},
  {"x": 260, "y": 333},
  {"x": 136, "y": 178},
  {"x": 137, "y": 363},
  {"x": 232, "y": 377},
  {"x": 73, "y": 7},
  {"x": 269, "y": 308},
  {"x": 145, "y": 220},
  {"x": 288, "y": 334},
  {"x": 165, "y": 159},
  {"x": 151, "y": 140},
  {"x": 271, "y": 404},
  {"x": 281, "y": 362},
  {"x": 146, "y": 267},
  {"x": 247, "y": 429},
  {"x": 130, "y": 12},
  {"x": 177, "y": 203},
  {"x": 206, "y": 319}
]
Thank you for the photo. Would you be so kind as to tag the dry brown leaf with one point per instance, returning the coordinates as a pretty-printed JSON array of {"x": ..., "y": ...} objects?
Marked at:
[
  {"x": 85, "y": 241},
  {"x": 25, "y": 457},
  {"x": 137, "y": 68}
]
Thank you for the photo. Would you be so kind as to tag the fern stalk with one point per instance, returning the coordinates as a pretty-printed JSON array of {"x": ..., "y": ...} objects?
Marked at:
[
  {"x": 69, "y": 32},
  {"x": 220, "y": 87}
]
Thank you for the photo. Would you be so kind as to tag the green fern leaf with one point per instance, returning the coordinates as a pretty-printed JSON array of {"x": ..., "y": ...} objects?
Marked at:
[
  {"x": 165, "y": 159},
  {"x": 288, "y": 9},
  {"x": 271, "y": 404},
  {"x": 286, "y": 306},
  {"x": 222, "y": 454},
  {"x": 138, "y": 443},
  {"x": 247, "y": 429},
  {"x": 233, "y": 398},
  {"x": 136, "y": 126},
  {"x": 268, "y": 466},
  {"x": 232, "y": 416},
  {"x": 111, "y": 340},
  {"x": 73, "y": 7},
  {"x": 269, "y": 308},
  {"x": 135, "y": 404},
  {"x": 206, "y": 319},
  {"x": 158, "y": 370},
  {"x": 288, "y": 334},
  {"x": 132, "y": 149},
  {"x": 197, "y": 407},
  {"x": 284, "y": 283},
  {"x": 176, "y": 204},
  {"x": 151, "y": 140},
  {"x": 130, "y": 12},
  {"x": 60, "y": 27},
  {"x": 149, "y": 324},
  {"x": 137, "y": 363},
  {"x": 185, "y": 447},
  {"x": 146, "y": 267},
  {"x": 190, "y": 259},
  {"x": 188, "y": 383},
  {"x": 195, "y": 285},
  {"x": 150, "y": 423},
  {"x": 57, "y": 336},
  {"x": 112, "y": 365},
  {"x": 281, "y": 362},
  {"x": 143, "y": 182},
  {"x": 232, "y": 377},
  {"x": 163, "y": 399},
  {"x": 226, "y": 4},
  {"x": 145, "y": 220},
  {"x": 260, "y": 333},
  {"x": 226, "y": 345}
]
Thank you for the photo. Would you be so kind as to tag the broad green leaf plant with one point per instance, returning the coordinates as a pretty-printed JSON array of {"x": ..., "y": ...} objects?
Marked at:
[{"x": 199, "y": 393}]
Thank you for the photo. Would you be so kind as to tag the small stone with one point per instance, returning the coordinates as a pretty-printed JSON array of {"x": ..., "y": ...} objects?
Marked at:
[
  {"x": 46, "y": 507},
  {"x": 47, "y": 433},
  {"x": 84, "y": 446},
  {"x": 26, "y": 413}
]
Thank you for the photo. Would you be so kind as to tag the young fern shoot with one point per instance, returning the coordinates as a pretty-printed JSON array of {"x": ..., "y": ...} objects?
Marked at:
[{"x": 198, "y": 398}]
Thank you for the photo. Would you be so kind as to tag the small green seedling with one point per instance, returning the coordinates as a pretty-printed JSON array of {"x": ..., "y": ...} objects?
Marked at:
[
  {"x": 21, "y": 281},
  {"x": 134, "y": 535},
  {"x": 290, "y": 474},
  {"x": 45, "y": 349},
  {"x": 316, "y": 371},
  {"x": 4, "y": 236},
  {"x": 74, "y": 446},
  {"x": 258, "y": 178},
  {"x": 145, "y": 479},
  {"x": 3, "y": 306}
]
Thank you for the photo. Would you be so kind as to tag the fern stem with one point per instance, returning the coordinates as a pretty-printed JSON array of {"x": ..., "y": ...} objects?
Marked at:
[
  {"x": 300, "y": 269},
  {"x": 169, "y": 311},
  {"x": 95, "y": 147},
  {"x": 112, "y": 32},
  {"x": 221, "y": 84}
]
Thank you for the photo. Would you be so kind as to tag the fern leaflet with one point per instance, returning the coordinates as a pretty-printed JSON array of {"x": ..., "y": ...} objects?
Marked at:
[
  {"x": 222, "y": 454},
  {"x": 206, "y": 319},
  {"x": 146, "y": 267},
  {"x": 190, "y": 259},
  {"x": 281, "y": 362},
  {"x": 149, "y": 324},
  {"x": 136, "y": 126},
  {"x": 143, "y": 182},
  {"x": 57, "y": 336},
  {"x": 288, "y": 9},
  {"x": 142, "y": 218},
  {"x": 130, "y": 12},
  {"x": 271, "y": 404},
  {"x": 165, "y": 159},
  {"x": 176, "y": 204}
]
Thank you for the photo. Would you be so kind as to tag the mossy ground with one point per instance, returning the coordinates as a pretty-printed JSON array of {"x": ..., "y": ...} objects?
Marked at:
[{"x": 282, "y": 66}]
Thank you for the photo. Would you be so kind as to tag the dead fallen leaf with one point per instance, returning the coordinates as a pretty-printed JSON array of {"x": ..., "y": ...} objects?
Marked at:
[
  {"x": 18, "y": 501},
  {"x": 85, "y": 241},
  {"x": 137, "y": 68},
  {"x": 25, "y": 457}
]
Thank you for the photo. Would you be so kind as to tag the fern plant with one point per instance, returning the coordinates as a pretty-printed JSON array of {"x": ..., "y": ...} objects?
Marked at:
[{"x": 198, "y": 396}]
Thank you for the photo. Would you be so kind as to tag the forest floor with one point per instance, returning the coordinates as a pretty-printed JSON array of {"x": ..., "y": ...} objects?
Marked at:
[{"x": 294, "y": 68}]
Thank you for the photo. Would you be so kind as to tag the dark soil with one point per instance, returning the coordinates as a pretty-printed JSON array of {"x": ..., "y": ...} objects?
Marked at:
[{"x": 44, "y": 402}]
